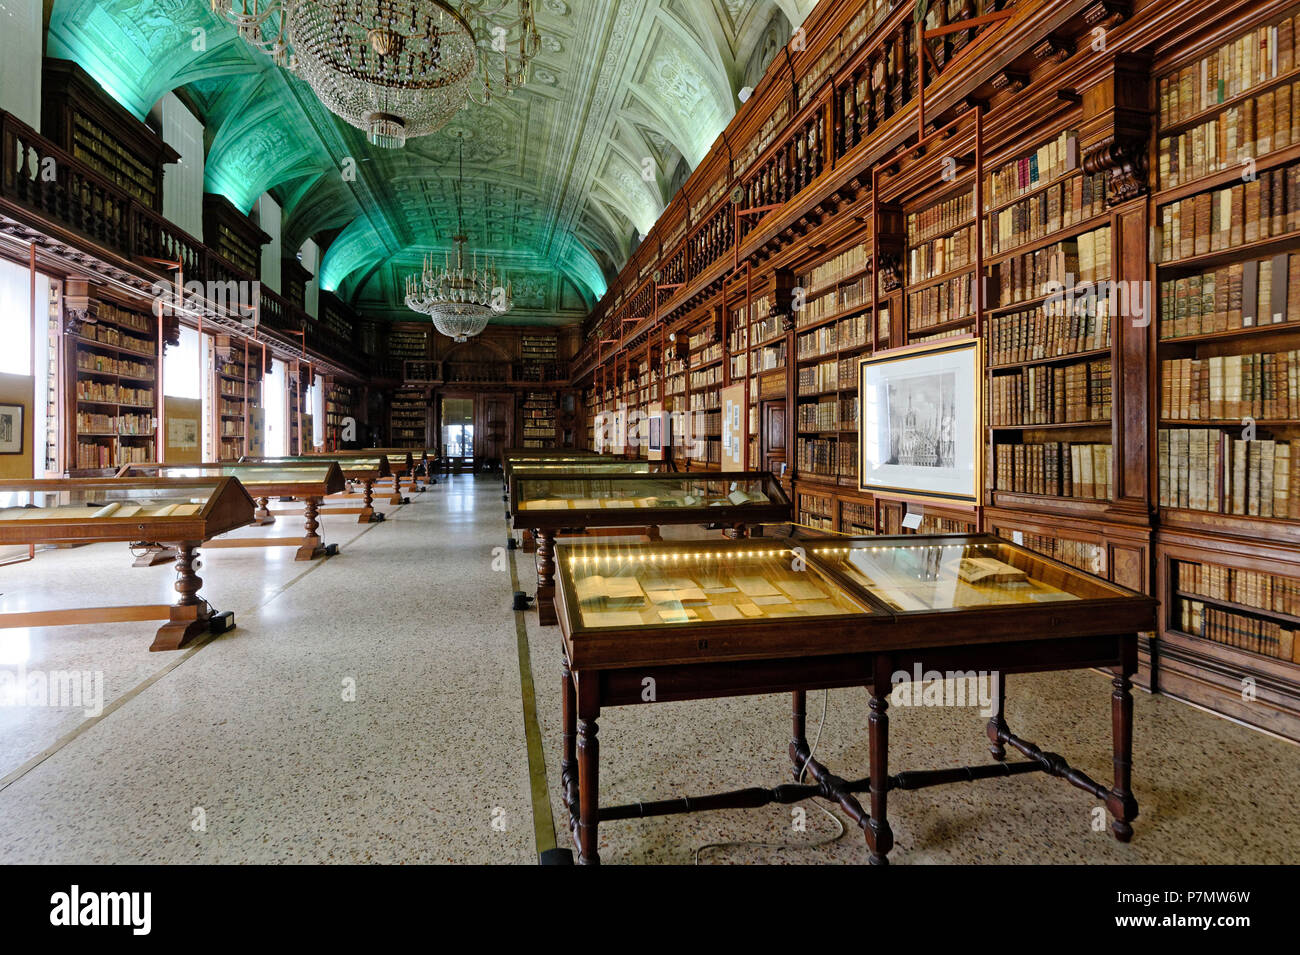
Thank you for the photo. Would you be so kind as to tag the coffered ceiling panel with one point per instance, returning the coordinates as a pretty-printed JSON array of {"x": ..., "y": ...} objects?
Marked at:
[{"x": 560, "y": 179}]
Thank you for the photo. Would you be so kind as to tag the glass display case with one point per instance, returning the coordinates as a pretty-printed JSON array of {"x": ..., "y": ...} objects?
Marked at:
[
  {"x": 668, "y": 622},
  {"x": 309, "y": 483},
  {"x": 110, "y": 509},
  {"x": 905, "y": 582},
  {"x": 180, "y": 512},
  {"x": 590, "y": 500},
  {"x": 354, "y": 469}
]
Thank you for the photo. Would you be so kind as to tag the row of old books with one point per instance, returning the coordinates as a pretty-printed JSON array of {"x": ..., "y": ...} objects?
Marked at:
[
  {"x": 133, "y": 424},
  {"x": 1240, "y": 295},
  {"x": 945, "y": 302},
  {"x": 941, "y": 255},
  {"x": 1240, "y": 134},
  {"x": 1234, "y": 68},
  {"x": 1050, "y": 161},
  {"x": 1057, "y": 207},
  {"x": 837, "y": 268},
  {"x": 1059, "y": 329},
  {"x": 816, "y": 456},
  {"x": 1062, "y": 265},
  {"x": 1256, "y": 385},
  {"x": 824, "y": 376},
  {"x": 1084, "y": 555},
  {"x": 940, "y": 217},
  {"x": 1255, "y": 634},
  {"x": 1251, "y": 588},
  {"x": 1260, "y": 208},
  {"x": 1055, "y": 468},
  {"x": 1052, "y": 395},
  {"x": 1210, "y": 470},
  {"x": 819, "y": 416}
]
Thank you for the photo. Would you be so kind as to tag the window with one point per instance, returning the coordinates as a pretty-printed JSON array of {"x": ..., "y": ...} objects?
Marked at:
[
  {"x": 275, "y": 400},
  {"x": 183, "y": 366},
  {"x": 16, "y": 317}
]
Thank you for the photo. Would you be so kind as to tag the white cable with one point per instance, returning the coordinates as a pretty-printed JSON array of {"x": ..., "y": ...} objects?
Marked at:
[{"x": 791, "y": 845}]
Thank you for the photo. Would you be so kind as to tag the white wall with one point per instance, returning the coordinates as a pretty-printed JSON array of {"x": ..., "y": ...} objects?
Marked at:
[
  {"x": 21, "y": 46},
  {"x": 310, "y": 258},
  {"x": 269, "y": 218},
  {"x": 182, "y": 181}
]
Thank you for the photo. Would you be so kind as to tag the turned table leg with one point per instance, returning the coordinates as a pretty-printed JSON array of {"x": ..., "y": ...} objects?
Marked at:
[
  {"x": 997, "y": 725},
  {"x": 263, "y": 513},
  {"x": 588, "y": 789},
  {"x": 546, "y": 578},
  {"x": 367, "y": 503},
  {"x": 880, "y": 838},
  {"x": 569, "y": 753},
  {"x": 190, "y": 614},
  {"x": 397, "y": 491},
  {"x": 798, "y": 731},
  {"x": 312, "y": 546},
  {"x": 1120, "y": 800}
]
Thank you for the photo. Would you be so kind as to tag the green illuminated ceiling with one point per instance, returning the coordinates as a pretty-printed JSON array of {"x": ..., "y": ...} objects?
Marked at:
[{"x": 554, "y": 175}]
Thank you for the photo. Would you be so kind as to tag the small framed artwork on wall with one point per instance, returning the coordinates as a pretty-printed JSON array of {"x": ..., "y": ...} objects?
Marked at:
[{"x": 11, "y": 429}]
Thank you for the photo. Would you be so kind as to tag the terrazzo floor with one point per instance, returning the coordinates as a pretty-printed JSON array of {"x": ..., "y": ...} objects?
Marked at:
[{"x": 368, "y": 708}]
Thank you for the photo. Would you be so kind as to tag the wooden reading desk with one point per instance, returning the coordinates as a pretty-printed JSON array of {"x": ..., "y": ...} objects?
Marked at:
[
  {"x": 181, "y": 512},
  {"x": 712, "y": 619},
  {"x": 311, "y": 483},
  {"x": 575, "y": 501},
  {"x": 364, "y": 471}
]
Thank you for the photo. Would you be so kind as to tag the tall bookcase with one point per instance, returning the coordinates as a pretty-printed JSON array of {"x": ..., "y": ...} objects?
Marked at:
[
  {"x": 408, "y": 418},
  {"x": 340, "y": 403},
  {"x": 112, "y": 394},
  {"x": 236, "y": 374},
  {"x": 1227, "y": 276},
  {"x": 539, "y": 409}
]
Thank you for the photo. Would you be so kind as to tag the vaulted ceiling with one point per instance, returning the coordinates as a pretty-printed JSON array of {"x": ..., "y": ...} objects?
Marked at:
[{"x": 562, "y": 178}]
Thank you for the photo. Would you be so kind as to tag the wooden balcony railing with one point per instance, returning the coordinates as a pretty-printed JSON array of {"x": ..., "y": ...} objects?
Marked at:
[{"x": 40, "y": 178}]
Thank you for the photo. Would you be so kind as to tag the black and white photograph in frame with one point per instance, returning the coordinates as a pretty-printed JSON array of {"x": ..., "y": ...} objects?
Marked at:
[
  {"x": 11, "y": 429},
  {"x": 919, "y": 421}
]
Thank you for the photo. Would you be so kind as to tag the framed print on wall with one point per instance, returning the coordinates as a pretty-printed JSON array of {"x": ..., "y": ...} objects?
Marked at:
[
  {"x": 919, "y": 422},
  {"x": 11, "y": 429}
]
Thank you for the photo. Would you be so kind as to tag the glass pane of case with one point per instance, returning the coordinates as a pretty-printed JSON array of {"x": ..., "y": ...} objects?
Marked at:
[
  {"x": 105, "y": 500},
  {"x": 585, "y": 467},
  {"x": 650, "y": 586},
  {"x": 250, "y": 473},
  {"x": 666, "y": 491},
  {"x": 953, "y": 573}
]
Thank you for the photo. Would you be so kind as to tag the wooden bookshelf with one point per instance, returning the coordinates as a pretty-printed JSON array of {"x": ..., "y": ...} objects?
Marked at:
[
  {"x": 95, "y": 129},
  {"x": 539, "y": 411},
  {"x": 1227, "y": 218},
  {"x": 340, "y": 403},
  {"x": 408, "y": 419},
  {"x": 111, "y": 396}
]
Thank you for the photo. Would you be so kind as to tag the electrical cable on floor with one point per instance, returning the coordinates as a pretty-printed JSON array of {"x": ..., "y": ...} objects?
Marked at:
[{"x": 826, "y": 694}]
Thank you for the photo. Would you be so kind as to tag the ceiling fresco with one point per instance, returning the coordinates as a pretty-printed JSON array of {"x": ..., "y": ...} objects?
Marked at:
[{"x": 561, "y": 179}]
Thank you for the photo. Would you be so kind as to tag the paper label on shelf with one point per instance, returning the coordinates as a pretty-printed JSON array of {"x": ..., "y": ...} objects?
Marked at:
[{"x": 912, "y": 520}]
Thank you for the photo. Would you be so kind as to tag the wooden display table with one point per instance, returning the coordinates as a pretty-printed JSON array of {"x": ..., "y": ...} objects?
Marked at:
[
  {"x": 364, "y": 471},
  {"x": 701, "y": 620},
  {"x": 310, "y": 483},
  {"x": 183, "y": 513},
  {"x": 628, "y": 503},
  {"x": 401, "y": 463}
]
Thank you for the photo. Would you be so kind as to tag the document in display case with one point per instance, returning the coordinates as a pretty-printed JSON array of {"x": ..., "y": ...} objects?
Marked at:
[
  {"x": 181, "y": 513},
  {"x": 699, "y": 620}
]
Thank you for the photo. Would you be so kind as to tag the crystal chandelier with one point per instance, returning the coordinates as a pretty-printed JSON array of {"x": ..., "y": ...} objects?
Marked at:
[
  {"x": 395, "y": 69},
  {"x": 459, "y": 303}
]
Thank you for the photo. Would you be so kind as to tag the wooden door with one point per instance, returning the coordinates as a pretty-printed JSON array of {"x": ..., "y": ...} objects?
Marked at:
[
  {"x": 493, "y": 428},
  {"x": 772, "y": 450}
]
